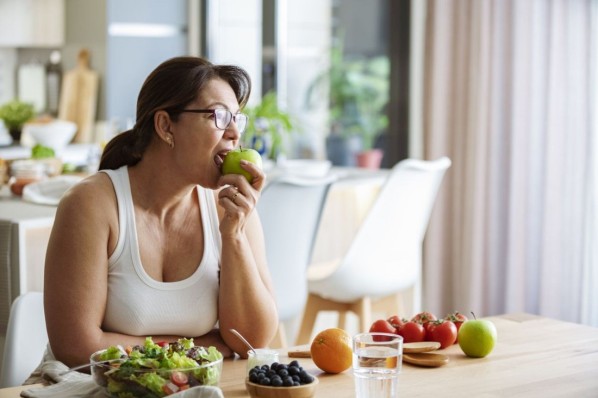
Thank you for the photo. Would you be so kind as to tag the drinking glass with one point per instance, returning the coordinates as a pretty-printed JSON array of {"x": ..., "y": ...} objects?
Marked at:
[{"x": 377, "y": 359}]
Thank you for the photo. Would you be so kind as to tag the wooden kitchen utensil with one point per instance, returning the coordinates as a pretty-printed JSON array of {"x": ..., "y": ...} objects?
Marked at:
[
  {"x": 426, "y": 359},
  {"x": 299, "y": 354},
  {"x": 78, "y": 97},
  {"x": 420, "y": 346}
]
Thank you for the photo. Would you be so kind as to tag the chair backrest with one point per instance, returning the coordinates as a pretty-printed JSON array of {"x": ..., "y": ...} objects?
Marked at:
[
  {"x": 389, "y": 242},
  {"x": 26, "y": 339},
  {"x": 290, "y": 208}
]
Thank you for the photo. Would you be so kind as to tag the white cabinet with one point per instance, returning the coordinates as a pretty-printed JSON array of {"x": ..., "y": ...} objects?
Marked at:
[{"x": 32, "y": 23}]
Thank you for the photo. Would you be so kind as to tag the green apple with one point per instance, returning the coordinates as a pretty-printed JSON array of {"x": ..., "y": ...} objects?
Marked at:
[
  {"x": 477, "y": 337},
  {"x": 232, "y": 161}
]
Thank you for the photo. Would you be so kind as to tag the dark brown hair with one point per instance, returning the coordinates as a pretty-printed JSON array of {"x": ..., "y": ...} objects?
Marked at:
[{"x": 171, "y": 86}]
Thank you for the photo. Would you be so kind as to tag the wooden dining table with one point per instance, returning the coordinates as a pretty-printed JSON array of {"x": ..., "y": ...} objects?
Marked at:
[{"x": 534, "y": 357}]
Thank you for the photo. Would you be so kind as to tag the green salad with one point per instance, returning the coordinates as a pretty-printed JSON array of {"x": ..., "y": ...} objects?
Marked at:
[{"x": 157, "y": 369}]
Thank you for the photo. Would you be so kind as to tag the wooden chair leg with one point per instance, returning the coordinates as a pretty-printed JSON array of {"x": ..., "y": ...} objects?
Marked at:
[
  {"x": 363, "y": 309},
  {"x": 280, "y": 338},
  {"x": 342, "y": 320},
  {"x": 308, "y": 320},
  {"x": 390, "y": 305}
]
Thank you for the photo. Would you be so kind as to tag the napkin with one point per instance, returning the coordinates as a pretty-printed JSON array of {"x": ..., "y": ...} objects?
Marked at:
[{"x": 75, "y": 385}]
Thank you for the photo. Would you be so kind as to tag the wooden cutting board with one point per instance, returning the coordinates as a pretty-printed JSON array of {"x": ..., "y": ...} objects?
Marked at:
[{"x": 79, "y": 96}]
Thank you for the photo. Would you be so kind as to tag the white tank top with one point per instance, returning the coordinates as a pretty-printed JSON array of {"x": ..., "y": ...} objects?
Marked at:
[{"x": 139, "y": 305}]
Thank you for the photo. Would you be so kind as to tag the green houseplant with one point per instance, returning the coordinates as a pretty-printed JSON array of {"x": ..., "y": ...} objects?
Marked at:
[
  {"x": 268, "y": 126},
  {"x": 15, "y": 114},
  {"x": 358, "y": 92}
]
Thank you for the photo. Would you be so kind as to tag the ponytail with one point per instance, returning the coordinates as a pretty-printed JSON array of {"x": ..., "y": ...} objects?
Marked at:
[{"x": 125, "y": 149}]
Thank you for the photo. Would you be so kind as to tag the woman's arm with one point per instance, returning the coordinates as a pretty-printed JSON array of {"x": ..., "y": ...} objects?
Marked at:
[
  {"x": 76, "y": 270},
  {"x": 246, "y": 298}
]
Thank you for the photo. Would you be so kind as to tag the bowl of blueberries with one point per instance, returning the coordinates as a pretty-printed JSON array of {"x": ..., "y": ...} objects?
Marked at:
[{"x": 280, "y": 380}]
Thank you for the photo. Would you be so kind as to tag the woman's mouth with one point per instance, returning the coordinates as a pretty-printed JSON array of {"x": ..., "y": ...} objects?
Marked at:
[{"x": 219, "y": 158}]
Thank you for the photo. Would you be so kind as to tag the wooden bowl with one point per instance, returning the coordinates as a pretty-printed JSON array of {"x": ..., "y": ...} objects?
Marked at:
[{"x": 303, "y": 391}]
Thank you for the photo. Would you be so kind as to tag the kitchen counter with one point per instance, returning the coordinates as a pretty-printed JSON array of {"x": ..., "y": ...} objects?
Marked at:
[{"x": 76, "y": 154}]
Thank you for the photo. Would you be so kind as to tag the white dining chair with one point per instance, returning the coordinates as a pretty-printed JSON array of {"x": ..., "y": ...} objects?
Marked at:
[
  {"x": 383, "y": 266},
  {"x": 26, "y": 339},
  {"x": 290, "y": 209}
]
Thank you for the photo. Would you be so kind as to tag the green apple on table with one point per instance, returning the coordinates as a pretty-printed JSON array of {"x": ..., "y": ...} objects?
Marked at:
[
  {"x": 232, "y": 161},
  {"x": 477, "y": 337}
]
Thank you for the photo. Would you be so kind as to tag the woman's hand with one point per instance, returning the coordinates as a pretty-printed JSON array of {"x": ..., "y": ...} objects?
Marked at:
[{"x": 239, "y": 197}]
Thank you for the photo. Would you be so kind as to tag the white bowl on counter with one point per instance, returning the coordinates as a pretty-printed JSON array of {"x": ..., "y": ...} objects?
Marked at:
[{"x": 55, "y": 134}]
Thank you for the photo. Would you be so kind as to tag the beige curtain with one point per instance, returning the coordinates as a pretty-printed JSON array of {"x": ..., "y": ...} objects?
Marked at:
[{"x": 509, "y": 94}]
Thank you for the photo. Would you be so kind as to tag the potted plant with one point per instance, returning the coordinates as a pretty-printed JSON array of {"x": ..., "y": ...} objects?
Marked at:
[
  {"x": 268, "y": 127},
  {"x": 15, "y": 114},
  {"x": 358, "y": 93}
]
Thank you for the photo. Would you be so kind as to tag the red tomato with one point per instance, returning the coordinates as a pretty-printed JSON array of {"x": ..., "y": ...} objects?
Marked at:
[
  {"x": 179, "y": 378},
  {"x": 382, "y": 326},
  {"x": 412, "y": 332},
  {"x": 162, "y": 343},
  {"x": 444, "y": 332},
  {"x": 170, "y": 388},
  {"x": 396, "y": 322},
  {"x": 457, "y": 318},
  {"x": 424, "y": 317}
]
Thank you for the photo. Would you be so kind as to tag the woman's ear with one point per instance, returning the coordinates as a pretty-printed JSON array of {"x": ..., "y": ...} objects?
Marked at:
[{"x": 162, "y": 125}]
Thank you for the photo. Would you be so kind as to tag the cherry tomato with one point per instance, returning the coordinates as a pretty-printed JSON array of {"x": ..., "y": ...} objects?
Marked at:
[
  {"x": 396, "y": 322},
  {"x": 457, "y": 318},
  {"x": 424, "y": 317},
  {"x": 412, "y": 332},
  {"x": 179, "y": 378},
  {"x": 444, "y": 332},
  {"x": 382, "y": 326}
]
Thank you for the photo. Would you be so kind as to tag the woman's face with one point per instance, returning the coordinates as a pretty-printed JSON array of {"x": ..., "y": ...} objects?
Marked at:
[{"x": 200, "y": 145}]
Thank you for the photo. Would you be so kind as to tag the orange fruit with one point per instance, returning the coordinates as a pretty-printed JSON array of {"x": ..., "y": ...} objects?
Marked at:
[{"x": 331, "y": 350}]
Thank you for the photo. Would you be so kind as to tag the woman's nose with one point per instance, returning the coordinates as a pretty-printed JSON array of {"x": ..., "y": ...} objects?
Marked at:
[{"x": 232, "y": 131}]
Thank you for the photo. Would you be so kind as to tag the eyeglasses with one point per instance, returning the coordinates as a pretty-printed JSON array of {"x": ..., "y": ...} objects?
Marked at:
[{"x": 223, "y": 117}]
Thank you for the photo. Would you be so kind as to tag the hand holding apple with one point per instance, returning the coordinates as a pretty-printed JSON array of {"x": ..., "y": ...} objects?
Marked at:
[
  {"x": 232, "y": 161},
  {"x": 477, "y": 337}
]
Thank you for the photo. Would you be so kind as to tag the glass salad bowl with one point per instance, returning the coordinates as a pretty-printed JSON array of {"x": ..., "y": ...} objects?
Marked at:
[{"x": 155, "y": 369}]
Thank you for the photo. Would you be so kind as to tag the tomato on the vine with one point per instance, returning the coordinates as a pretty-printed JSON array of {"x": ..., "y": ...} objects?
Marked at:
[
  {"x": 424, "y": 317},
  {"x": 396, "y": 322},
  {"x": 442, "y": 331},
  {"x": 382, "y": 326},
  {"x": 457, "y": 318},
  {"x": 412, "y": 332}
]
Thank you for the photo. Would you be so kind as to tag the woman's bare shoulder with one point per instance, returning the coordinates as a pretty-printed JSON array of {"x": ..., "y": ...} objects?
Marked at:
[{"x": 92, "y": 193}]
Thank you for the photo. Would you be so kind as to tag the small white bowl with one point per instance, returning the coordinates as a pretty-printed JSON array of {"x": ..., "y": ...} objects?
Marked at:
[{"x": 55, "y": 134}]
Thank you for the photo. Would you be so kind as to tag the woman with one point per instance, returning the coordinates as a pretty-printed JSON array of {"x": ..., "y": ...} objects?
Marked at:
[{"x": 159, "y": 243}]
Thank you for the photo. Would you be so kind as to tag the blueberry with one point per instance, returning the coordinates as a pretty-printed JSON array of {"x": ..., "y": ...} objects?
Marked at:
[
  {"x": 294, "y": 363},
  {"x": 277, "y": 382},
  {"x": 283, "y": 372},
  {"x": 307, "y": 379},
  {"x": 265, "y": 381},
  {"x": 287, "y": 381}
]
